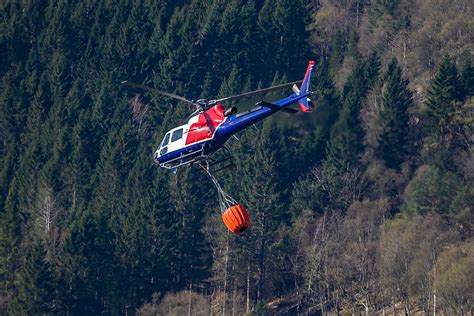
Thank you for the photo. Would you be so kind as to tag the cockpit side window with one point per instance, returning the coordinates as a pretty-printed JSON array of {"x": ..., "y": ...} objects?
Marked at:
[
  {"x": 177, "y": 134},
  {"x": 165, "y": 140}
]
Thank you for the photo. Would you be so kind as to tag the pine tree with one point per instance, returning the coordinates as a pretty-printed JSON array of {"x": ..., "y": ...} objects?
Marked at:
[
  {"x": 6, "y": 173},
  {"x": 394, "y": 140},
  {"x": 78, "y": 280},
  {"x": 143, "y": 249},
  {"x": 444, "y": 98},
  {"x": 88, "y": 268},
  {"x": 10, "y": 237},
  {"x": 76, "y": 173},
  {"x": 35, "y": 284},
  {"x": 249, "y": 57},
  {"x": 443, "y": 92},
  {"x": 327, "y": 105},
  {"x": 352, "y": 49},
  {"x": 232, "y": 84},
  {"x": 338, "y": 51},
  {"x": 347, "y": 134},
  {"x": 229, "y": 34},
  {"x": 380, "y": 8},
  {"x": 372, "y": 69},
  {"x": 262, "y": 192},
  {"x": 163, "y": 232},
  {"x": 192, "y": 251},
  {"x": 282, "y": 23},
  {"x": 467, "y": 80}
]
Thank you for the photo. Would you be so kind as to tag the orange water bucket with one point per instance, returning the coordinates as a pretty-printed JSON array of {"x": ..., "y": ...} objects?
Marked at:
[{"x": 236, "y": 219}]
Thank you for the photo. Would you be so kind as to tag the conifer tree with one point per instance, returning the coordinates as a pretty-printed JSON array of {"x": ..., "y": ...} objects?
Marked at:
[
  {"x": 10, "y": 237},
  {"x": 232, "y": 84},
  {"x": 82, "y": 263},
  {"x": 6, "y": 173},
  {"x": 338, "y": 51},
  {"x": 380, "y": 8},
  {"x": 347, "y": 133},
  {"x": 262, "y": 188},
  {"x": 143, "y": 249},
  {"x": 326, "y": 102},
  {"x": 372, "y": 69},
  {"x": 394, "y": 140},
  {"x": 163, "y": 226},
  {"x": 229, "y": 33},
  {"x": 443, "y": 91},
  {"x": 281, "y": 22},
  {"x": 76, "y": 173},
  {"x": 443, "y": 98},
  {"x": 467, "y": 80},
  {"x": 130, "y": 225},
  {"x": 35, "y": 284},
  {"x": 249, "y": 58},
  {"x": 192, "y": 252},
  {"x": 352, "y": 49}
]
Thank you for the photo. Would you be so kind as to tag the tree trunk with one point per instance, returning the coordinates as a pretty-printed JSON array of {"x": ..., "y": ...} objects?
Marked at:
[
  {"x": 247, "y": 305},
  {"x": 189, "y": 300},
  {"x": 383, "y": 305},
  {"x": 321, "y": 298},
  {"x": 234, "y": 289},
  {"x": 433, "y": 286},
  {"x": 393, "y": 306},
  {"x": 226, "y": 260},
  {"x": 261, "y": 255},
  {"x": 367, "y": 305},
  {"x": 407, "y": 307},
  {"x": 357, "y": 14}
]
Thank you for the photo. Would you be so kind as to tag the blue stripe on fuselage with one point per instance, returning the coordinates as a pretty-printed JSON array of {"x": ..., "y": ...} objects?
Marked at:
[{"x": 236, "y": 123}]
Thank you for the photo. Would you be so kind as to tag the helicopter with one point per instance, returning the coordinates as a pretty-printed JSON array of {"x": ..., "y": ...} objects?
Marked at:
[{"x": 210, "y": 126}]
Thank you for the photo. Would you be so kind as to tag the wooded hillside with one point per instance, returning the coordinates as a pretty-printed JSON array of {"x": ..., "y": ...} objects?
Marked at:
[{"x": 363, "y": 206}]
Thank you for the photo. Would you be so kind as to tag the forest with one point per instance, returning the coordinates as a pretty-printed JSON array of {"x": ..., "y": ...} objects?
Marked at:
[{"x": 362, "y": 207}]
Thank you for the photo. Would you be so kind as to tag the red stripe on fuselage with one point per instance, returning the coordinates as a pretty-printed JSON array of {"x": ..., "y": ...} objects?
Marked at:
[{"x": 206, "y": 125}]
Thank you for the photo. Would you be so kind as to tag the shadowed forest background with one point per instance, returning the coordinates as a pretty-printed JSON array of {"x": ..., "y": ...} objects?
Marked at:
[{"x": 363, "y": 206}]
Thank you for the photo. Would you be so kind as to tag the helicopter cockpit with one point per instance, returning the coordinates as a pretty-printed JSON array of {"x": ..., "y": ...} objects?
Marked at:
[
  {"x": 164, "y": 143},
  {"x": 174, "y": 139}
]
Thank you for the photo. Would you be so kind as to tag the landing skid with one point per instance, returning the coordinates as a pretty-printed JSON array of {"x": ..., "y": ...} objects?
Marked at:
[
  {"x": 186, "y": 159},
  {"x": 222, "y": 160},
  {"x": 217, "y": 164},
  {"x": 225, "y": 160}
]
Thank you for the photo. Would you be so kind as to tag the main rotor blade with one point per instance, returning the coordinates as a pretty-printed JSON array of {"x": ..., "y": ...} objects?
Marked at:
[
  {"x": 248, "y": 94},
  {"x": 171, "y": 95}
]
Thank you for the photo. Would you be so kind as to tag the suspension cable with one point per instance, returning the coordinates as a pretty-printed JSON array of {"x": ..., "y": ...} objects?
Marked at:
[{"x": 225, "y": 200}]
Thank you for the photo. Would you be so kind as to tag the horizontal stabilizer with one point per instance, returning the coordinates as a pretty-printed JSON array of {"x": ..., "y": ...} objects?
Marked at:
[
  {"x": 291, "y": 111},
  {"x": 268, "y": 105},
  {"x": 275, "y": 107}
]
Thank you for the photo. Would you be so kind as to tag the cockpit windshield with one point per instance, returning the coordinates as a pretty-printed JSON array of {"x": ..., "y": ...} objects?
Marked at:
[
  {"x": 177, "y": 134},
  {"x": 165, "y": 140}
]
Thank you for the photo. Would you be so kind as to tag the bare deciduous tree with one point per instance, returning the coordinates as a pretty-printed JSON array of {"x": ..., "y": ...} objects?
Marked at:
[
  {"x": 46, "y": 209},
  {"x": 139, "y": 111}
]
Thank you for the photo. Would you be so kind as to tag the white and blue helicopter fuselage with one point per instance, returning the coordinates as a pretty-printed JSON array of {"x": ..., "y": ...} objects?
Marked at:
[
  {"x": 187, "y": 144},
  {"x": 207, "y": 132}
]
